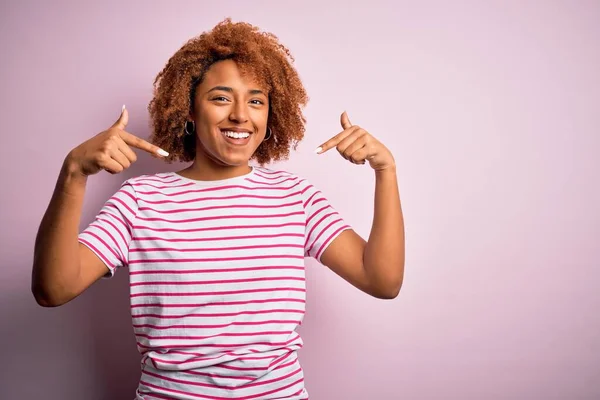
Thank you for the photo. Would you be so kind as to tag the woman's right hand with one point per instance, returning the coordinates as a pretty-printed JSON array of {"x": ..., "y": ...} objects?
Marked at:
[{"x": 110, "y": 150}]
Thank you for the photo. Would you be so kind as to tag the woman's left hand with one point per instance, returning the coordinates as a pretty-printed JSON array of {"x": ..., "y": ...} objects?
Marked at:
[{"x": 358, "y": 146}]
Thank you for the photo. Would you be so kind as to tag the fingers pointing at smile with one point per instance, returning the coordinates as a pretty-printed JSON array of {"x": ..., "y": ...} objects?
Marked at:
[{"x": 358, "y": 146}]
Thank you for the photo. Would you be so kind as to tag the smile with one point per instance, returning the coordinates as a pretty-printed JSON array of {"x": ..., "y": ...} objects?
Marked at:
[
  {"x": 236, "y": 135},
  {"x": 239, "y": 137}
]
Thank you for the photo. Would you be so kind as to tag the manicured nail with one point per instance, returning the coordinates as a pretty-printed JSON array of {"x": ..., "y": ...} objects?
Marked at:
[
  {"x": 161, "y": 152},
  {"x": 318, "y": 150},
  {"x": 123, "y": 108}
]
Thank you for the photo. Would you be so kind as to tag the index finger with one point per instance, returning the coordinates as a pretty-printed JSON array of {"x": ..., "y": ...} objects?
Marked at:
[
  {"x": 141, "y": 144},
  {"x": 334, "y": 141}
]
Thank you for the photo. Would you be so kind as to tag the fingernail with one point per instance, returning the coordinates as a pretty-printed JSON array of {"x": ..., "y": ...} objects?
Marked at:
[
  {"x": 161, "y": 152},
  {"x": 318, "y": 150},
  {"x": 123, "y": 108}
]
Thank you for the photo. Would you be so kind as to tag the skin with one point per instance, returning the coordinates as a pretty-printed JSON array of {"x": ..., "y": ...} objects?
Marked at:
[
  {"x": 226, "y": 100},
  {"x": 63, "y": 268},
  {"x": 376, "y": 267}
]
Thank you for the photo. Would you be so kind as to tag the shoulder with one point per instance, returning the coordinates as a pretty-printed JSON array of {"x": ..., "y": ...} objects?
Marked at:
[
  {"x": 274, "y": 175},
  {"x": 285, "y": 179},
  {"x": 149, "y": 179},
  {"x": 148, "y": 184}
]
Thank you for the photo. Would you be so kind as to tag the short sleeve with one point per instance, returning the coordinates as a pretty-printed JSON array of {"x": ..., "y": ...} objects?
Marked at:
[
  {"x": 109, "y": 235},
  {"x": 323, "y": 222}
]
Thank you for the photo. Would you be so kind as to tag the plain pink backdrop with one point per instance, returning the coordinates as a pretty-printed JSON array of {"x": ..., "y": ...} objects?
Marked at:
[{"x": 492, "y": 110}]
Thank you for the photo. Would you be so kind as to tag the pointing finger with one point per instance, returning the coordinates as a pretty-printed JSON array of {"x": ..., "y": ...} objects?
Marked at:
[
  {"x": 141, "y": 144},
  {"x": 334, "y": 141}
]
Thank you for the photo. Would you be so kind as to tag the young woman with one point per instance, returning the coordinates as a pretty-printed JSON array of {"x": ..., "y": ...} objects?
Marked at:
[{"x": 216, "y": 251}]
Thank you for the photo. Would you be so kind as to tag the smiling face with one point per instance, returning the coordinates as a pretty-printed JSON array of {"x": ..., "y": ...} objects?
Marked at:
[{"x": 231, "y": 112}]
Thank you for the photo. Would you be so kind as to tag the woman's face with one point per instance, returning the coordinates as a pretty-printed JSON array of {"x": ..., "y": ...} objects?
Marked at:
[{"x": 231, "y": 113}]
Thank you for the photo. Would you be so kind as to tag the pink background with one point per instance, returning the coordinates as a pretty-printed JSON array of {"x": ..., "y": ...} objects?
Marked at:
[{"x": 493, "y": 112}]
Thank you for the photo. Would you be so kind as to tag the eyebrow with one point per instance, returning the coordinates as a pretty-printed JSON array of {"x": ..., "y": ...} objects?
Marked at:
[{"x": 230, "y": 90}]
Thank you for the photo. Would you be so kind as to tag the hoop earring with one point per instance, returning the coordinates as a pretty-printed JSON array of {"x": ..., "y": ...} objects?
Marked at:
[
  {"x": 269, "y": 134},
  {"x": 186, "y": 130}
]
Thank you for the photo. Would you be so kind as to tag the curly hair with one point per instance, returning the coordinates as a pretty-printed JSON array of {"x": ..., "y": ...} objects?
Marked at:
[{"x": 255, "y": 52}]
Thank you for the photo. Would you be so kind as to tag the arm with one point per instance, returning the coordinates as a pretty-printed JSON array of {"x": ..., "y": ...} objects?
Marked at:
[
  {"x": 62, "y": 267},
  {"x": 377, "y": 266},
  {"x": 58, "y": 275}
]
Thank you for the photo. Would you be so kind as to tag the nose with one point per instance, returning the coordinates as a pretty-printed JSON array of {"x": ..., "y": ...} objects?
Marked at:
[{"x": 239, "y": 112}]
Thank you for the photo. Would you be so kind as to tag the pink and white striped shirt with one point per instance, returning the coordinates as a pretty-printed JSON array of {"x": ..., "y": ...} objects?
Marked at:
[{"x": 217, "y": 280}]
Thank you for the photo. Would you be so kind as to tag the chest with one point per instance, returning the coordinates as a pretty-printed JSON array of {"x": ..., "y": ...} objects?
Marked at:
[{"x": 223, "y": 234}]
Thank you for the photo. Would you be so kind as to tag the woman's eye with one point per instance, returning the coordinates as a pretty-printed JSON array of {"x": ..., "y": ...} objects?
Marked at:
[{"x": 223, "y": 98}]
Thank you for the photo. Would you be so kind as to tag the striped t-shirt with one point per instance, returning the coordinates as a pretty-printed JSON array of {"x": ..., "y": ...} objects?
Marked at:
[{"x": 217, "y": 280}]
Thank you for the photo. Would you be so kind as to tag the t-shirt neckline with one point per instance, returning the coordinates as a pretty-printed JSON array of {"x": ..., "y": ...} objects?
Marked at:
[{"x": 221, "y": 182}]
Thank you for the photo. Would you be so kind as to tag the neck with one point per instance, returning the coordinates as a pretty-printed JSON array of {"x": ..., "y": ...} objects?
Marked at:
[{"x": 206, "y": 169}]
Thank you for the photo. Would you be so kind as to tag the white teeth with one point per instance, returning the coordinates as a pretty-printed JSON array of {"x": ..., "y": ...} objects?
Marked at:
[{"x": 237, "y": 135}]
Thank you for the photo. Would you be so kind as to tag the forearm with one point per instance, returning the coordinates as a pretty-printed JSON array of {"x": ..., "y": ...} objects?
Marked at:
[
  {"x": 384, "y": 252},
  {"x": 56, "y": 254}
]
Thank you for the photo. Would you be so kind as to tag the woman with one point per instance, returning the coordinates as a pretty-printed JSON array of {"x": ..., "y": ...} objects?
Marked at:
[{"x": 216, "y": 251}]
